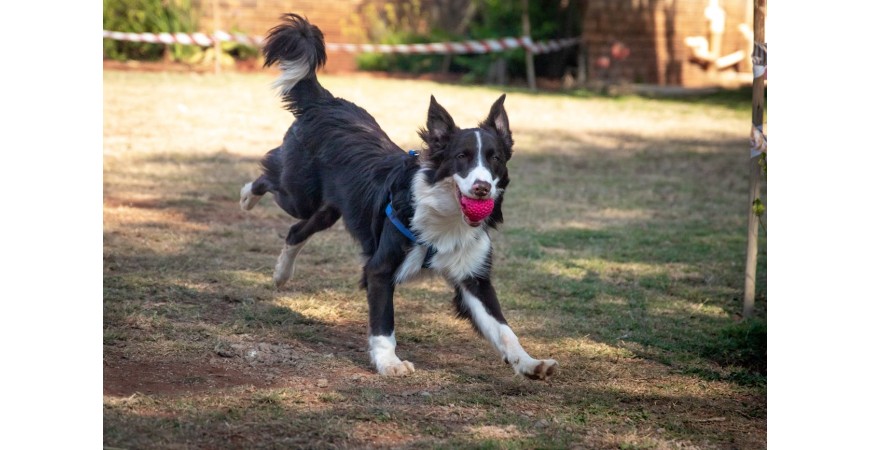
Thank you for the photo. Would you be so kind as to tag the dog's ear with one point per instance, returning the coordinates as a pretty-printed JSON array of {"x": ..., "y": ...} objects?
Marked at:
[
  {"x": 498, "y": 121},
  {"x": 439, "y": 129}
]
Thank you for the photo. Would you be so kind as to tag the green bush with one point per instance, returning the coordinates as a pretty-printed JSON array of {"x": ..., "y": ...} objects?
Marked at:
[
  {"x": 148, "y": 16},
  {"x": 404, "y": 63},
  {"x": 493, "y": 19},
  {"x": 400, "y": 23}
]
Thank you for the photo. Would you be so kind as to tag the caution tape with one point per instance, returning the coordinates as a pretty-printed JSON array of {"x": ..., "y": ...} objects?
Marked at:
[
  {"x": 443, "y": 48},
  {"x": 437, "y": 48},
  {"x": 201, "y": 39}
]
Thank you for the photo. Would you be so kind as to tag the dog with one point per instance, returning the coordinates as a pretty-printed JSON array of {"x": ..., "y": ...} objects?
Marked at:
[{"x": 410, "y": 212}]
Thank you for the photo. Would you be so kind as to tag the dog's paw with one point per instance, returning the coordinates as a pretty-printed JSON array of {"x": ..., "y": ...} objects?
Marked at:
[
  {"x": 539, "y": 369},
  {"x": 399, "y": 369},
  {"x": 247, "y": 199},
  {"x": 286, "y": 265},
  {"x": 281, "y": 278},
  {"x": 283, "y": 271}
]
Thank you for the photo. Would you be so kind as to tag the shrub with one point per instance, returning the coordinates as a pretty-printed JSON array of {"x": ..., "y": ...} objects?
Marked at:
[
  {"x": 410, "y": 23},
  {"x": 148, "y": 16}
]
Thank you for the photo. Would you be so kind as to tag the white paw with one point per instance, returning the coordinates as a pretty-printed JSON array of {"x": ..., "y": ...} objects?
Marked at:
[
  {"x": 399, "y": 369},
  {"x": 247, "y": 198},
  {"x": 284, "y": 271},
  {"x": 286, "y": 265},
  {"x": 536, "y": 369},
  {"x": 382, "y": 349}
]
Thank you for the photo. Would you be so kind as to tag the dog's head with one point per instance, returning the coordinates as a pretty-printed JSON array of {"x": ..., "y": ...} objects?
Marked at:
[{"x": 475, "y": 159}]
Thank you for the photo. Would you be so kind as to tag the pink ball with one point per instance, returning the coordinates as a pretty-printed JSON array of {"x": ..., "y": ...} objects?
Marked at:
[{"x": 476, "y": 210}]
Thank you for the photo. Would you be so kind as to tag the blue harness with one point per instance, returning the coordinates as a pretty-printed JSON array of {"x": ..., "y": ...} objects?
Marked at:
[{"x": 391, "y": 214}]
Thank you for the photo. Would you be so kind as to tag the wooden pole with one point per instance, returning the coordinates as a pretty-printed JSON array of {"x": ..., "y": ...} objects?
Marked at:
[
  {"x": 530, "y": 62},
  {"x": 754, "y": 172}
]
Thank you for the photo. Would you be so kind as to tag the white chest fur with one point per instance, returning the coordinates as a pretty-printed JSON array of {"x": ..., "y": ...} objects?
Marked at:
[{"x": 461, "y": 250}]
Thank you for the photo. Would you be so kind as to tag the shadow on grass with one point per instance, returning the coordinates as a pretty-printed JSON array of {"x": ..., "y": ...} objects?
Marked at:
[
  {"x": 647, "y": 247},
  {"x": 288, "y": 418},
  {"x": 675, "y": 316},
  {"x": 681, "y": 180}
]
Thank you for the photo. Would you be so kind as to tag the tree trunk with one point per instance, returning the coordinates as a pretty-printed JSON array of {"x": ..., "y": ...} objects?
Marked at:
[{"x": 530, "y": 62}]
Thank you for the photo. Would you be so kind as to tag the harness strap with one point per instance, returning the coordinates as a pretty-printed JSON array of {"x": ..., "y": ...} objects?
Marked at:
[
  {"x": 391, "y": 214},
  {"x": 398, "y": 223}
]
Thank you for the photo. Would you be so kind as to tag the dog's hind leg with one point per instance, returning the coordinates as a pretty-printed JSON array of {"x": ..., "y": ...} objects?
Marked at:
[
  {"x": 252, "y": 192},
  {"x": 299, "y": 233}
]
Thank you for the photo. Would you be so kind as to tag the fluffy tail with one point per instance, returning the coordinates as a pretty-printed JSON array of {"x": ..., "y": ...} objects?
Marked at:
[{"x": 298, "y": 48}]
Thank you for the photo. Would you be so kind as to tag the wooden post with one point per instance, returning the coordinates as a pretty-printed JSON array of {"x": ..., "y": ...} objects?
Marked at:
[
  {"x": 530, "y": 62},
  {"x": 754, "y": 172},
  {"x": 217, "y": 43}
]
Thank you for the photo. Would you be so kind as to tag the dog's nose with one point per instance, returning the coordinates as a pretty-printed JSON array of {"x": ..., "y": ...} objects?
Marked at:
[{"x": 481, "y": 188}]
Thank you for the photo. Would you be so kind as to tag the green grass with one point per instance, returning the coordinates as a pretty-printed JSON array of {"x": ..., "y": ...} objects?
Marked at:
[{"x": 621, "y": 257}]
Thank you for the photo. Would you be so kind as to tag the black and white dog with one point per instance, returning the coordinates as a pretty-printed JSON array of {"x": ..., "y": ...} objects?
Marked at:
[{"x": 408, "y": 212}]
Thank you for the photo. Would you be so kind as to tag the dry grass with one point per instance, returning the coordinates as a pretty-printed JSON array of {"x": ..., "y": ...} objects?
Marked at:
[{"x": 621, "y": 257}]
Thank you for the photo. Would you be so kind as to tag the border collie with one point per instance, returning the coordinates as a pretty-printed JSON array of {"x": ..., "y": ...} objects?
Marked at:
[{"x": 410, "y": 212}]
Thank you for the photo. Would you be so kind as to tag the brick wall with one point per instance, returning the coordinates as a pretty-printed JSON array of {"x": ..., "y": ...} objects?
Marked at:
[
  {"x": 655, "y": 32},
  {"x": 257, "y": 17}
]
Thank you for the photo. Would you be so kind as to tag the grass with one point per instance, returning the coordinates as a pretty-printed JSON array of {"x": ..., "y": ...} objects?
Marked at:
[{"x": 622, "y": 258}]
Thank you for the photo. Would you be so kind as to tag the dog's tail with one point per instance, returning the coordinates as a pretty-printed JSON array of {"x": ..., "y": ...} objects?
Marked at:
[{"x": 298, "y": 48}]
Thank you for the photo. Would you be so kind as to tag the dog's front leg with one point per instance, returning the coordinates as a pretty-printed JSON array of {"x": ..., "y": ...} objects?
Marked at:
[
  {"x": 476, "y": 300},
  {"x": 382, "y": 335}
]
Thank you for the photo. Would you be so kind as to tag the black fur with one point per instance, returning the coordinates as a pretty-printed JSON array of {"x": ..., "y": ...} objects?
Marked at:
[
  {"x": 297, "y": 40},
  {"x": 335, "y": 161}
]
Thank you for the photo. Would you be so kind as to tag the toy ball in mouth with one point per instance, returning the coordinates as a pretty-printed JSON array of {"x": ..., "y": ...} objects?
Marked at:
[{"x": 475, "y": 210}]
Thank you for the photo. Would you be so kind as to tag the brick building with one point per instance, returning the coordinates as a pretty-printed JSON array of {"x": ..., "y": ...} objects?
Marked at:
[
  {"x": 670, "y": 42},
  {"x": 257, "y": 17}
]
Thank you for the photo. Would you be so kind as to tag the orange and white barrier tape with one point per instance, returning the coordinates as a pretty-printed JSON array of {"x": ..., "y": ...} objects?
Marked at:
[
  {"x": 200, "y": 39},
  {"x": 438, "y": 48}
]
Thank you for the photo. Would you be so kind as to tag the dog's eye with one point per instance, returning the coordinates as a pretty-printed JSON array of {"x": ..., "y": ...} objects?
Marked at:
[{"x": 460, "y": 156}]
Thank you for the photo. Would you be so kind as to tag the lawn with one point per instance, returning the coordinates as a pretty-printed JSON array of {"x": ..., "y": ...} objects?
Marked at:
[{"x": 621, "y": 257}]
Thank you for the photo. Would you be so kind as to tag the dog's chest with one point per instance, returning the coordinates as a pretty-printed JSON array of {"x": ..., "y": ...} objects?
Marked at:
[
  {"x": 461, "y": 251},
  {"x": 463, "y": 260}
]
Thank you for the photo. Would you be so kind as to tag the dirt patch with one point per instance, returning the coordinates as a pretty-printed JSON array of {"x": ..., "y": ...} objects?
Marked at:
[{"x": 124, "y": 377}]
